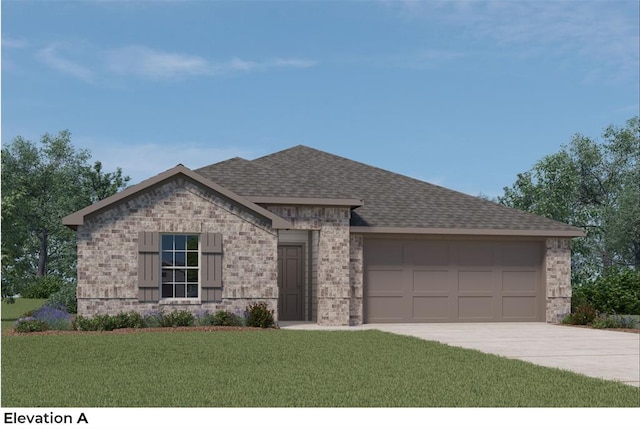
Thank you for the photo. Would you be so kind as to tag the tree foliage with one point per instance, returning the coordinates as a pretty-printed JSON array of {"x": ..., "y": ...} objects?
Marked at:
[
  {"x": 42, "y": 183},
  {"x": 595, "y": 185}
]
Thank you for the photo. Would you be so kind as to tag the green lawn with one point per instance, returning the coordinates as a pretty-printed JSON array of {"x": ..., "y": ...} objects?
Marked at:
[
  {"x": 281, "y": 368},
  {"x": 12, "y": 312}
]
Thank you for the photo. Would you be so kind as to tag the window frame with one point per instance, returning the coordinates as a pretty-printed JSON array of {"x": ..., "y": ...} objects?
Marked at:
[
  {"x": 150, "y": 268},
  {"x": 174, "y": 269}
]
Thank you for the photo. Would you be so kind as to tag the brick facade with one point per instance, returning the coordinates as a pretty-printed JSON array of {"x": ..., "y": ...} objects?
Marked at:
[
  {"x": 356, "y": 279},
  {"x": 108, "y": 255},
  {"x": 108, "y": 252},
  {"x": 332, "y": 271},
  {"x": 557, "y": 268}
]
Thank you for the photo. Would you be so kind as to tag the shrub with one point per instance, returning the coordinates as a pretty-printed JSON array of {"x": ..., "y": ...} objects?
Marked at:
[
  {"x": 43, "y": 287},
  {"x": 579, "y": 295},
  {"x": 128, "y": 320},
  {"x": 81, "y": 323},
  {"x": 153, "y": 319},
  {"x": 203, "y": 318},
  {"x": 604, "y": 321},
  {"x": 616, "y": 292},
  {"x": 30, "y": 324},
  {"x": 106, "y": 322},
  {"x": 178, "y": 318},
  {"x": 567, "y": 320},
  {"x": 65, "y": 296},
  {"x": 259, "y": 316},
  {"x": 613, "y": 321},
  {"x": 226, "y": 318},
  {"x": 29, "y": 313},
  {"x": 99, "y": 322},
  {"x": 56, "y": 318},
  {"x": 583, "y": 315}
]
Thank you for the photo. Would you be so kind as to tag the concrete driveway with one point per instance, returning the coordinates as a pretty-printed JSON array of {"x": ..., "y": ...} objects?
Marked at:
[{"x": 593, "y": 352}]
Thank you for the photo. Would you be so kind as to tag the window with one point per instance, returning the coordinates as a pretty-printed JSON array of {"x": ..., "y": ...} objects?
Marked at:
[{"x": 180, "y": 266}]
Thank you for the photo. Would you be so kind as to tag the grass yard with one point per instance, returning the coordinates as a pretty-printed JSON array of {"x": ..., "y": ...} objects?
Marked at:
[
  {"x": 12, "y": 312},
  {"x": 280, "y": 368}
]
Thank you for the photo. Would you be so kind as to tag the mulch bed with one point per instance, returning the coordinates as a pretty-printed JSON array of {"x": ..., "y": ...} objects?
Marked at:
[{"x": 12, "y": 332}]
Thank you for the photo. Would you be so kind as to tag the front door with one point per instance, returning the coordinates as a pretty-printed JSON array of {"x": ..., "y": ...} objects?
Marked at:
[{"x": 290, "y": 297}]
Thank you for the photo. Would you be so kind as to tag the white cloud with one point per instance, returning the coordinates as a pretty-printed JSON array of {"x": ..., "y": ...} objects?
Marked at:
[
  {"x": 50, "y": 55},
  {"x": 148, "y": 63},
  {"x": 604, "y": 33},
  {"x": 239, "y": 65},
  {"x": 142, "y": 61}
]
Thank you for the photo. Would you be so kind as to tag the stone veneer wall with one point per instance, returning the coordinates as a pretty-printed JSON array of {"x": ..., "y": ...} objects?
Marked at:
[
  {"x": 557, "y": 268},
  {"x": 333, "y": 256},
  {"x": 108, "y": 250},
  {"x": 356, "y": 279},
  {"x": 314, "y": 275}
]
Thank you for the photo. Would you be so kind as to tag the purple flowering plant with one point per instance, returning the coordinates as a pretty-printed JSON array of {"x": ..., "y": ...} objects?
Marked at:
[{"x": 55, "y": 317}]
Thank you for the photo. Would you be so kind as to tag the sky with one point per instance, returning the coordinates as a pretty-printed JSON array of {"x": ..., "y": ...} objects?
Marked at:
[{"x": 462, "y": 94}]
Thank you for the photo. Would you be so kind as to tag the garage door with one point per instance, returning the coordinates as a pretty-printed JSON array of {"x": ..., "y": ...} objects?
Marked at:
[{"x": 452, "y": 281}]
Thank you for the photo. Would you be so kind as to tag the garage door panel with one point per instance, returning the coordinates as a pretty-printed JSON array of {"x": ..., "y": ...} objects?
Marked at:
[
  {"x": 385, "y": 281},
  {"x": 521, "y": 254},
  {"x": 519, "y": 281},
  {"x": 431, "y": 281},
  {"x": 388, "y": 253},
  {"x": 475, "y": 254},
  {"x": 519, "y": 307},
  {"x": 386, "y": 309},
  {"x": 475, "y": 281},
  {"x": 430, "y": 308},
  {"x": 418, "y": 253},
  {"x": 452, "y": 281},
  {"x": 475, "y": 307}
]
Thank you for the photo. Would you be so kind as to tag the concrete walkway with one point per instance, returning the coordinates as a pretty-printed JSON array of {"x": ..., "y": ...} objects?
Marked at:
[{"x": 593, "y": 352}]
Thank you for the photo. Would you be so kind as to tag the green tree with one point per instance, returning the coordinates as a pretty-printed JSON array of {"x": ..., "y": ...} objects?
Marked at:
[
  {"x": 595, "y": 185},
  {"x": 40, "y": 185},
  {"x": 100, "y": 185}
]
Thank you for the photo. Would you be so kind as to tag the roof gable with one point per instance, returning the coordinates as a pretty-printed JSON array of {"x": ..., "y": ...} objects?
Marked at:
[{"x": 75, "y": 219}]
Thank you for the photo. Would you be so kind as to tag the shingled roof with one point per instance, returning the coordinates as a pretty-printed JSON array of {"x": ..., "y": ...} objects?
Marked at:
[{"x": 391, "y": 202}]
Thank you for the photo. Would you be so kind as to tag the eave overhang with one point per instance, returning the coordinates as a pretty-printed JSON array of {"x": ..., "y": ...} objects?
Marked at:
[
  {"x": 352, "y": 203},
  {"x": 469, "y": 231}
]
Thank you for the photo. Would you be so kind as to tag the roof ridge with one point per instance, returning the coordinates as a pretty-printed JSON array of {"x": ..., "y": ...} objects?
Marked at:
[
  {"x": 299, "y": 146},
  {"x": 351, "y": 161}
]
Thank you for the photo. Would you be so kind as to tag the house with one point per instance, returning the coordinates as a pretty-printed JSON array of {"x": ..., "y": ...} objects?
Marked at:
[{"x": 319, "y": 238}]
